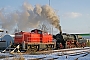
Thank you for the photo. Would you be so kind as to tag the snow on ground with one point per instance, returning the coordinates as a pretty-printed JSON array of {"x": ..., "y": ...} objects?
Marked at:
[
  {"x": 66, "y": 55},
  {"x": 5, "y": 54},
  {"x": 51, "y": 56}
]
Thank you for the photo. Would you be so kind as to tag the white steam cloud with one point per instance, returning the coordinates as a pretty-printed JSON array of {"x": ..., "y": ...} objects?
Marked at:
[{"x": 28, "y": 17}]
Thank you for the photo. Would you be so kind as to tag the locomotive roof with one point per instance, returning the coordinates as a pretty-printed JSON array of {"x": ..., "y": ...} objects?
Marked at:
[{"x": 35, "y": 29}]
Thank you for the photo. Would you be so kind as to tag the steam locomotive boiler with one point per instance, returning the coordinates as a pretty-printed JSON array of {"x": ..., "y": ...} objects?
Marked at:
[{"x": 60, "y": 42}]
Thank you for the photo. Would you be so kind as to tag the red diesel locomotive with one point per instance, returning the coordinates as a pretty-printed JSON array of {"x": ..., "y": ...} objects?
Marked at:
[{"x": 34, "y": 40}]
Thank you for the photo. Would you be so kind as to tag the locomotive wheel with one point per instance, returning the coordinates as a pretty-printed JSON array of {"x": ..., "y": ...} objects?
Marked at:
[
  {"x": 28, "y": 49},
  {"x": 48, "y": 47},
  {"x": 32, "y": 49}
]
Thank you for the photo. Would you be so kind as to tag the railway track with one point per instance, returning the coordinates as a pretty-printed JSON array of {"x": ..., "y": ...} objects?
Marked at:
[
  {"x": 63, "y": 50},
  {"x": 58, "y": 53}
]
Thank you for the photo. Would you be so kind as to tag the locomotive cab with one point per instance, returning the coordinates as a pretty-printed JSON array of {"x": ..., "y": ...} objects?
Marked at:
[{"x": 36, "y": 31}]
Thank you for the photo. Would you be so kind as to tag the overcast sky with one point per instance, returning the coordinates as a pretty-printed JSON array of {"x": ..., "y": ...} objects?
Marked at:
[{"x": 74, "y": 14}]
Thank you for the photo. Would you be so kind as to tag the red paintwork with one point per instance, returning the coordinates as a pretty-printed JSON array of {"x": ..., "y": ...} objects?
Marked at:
[
  {"x": 46, "y": 38},
  {"x": 32, "y": 37},
  {"x": 20, "y": 37},
  {"x": 35, "y": 37}
]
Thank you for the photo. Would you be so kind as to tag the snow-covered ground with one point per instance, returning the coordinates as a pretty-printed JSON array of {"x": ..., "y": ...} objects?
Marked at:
[{"x": 83, "y": 54}]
